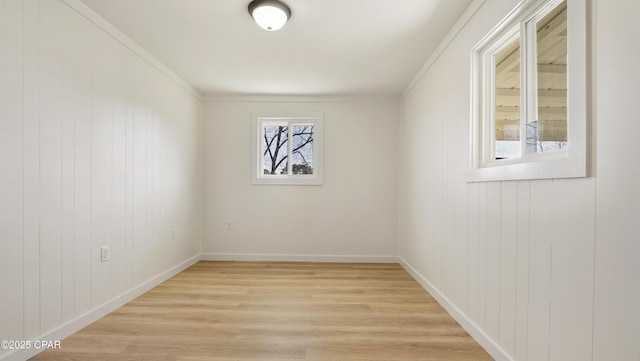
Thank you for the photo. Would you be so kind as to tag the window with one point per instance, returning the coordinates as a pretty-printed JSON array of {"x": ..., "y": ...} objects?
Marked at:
[
  {"x": 529, "y": 94},
  {"x": 287, "y": 149}
]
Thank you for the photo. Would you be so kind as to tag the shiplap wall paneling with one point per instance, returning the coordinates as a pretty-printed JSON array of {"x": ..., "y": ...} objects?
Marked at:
[
  {"x": 50, "y": 160},
  {"x": 572, "y": 270},
  {"x": 540, "y": 270},
  {"x": 458, "y": 120},
  {"x": 473, "y": 249},
  {"x": 186, "y": 156},
  {"x": 31, "y": 168},
  {"x": 522, "y": 269},
  {"x": 11, "y": 169},
  {"x": 130, "y": 79},
  {"x": 567, "y": 248},
  {"x": 68, "y": 162},
  {"x": 153, "y": 175},
  {"x": 153, "y": 263},
  {"x": 172, "y": 130},
  {"x": 483, "y": 203},
  {"x": 141, "y": 90},
  {"x": 425, "y": 186},
  {"x": 508, "y": 264},
  {"x": 119, "y": 170},
  {"x": 160, "y": 174},
  {"x": 449, "y": 236},
  {"x": 164, "y": 172},
  {"x": 157, "y": 177},
  {"x": 493, "y": 260},
  {"x": 101, "y": 161},
  {"x": 82, "y": 163},
  {"x": 434, "y": 191},
  {"x": 84, "y": 142},
  {"x": 617, "y": 290},
  {"x": 448, "y": 261},
  {"x": 182, "y": 165}
]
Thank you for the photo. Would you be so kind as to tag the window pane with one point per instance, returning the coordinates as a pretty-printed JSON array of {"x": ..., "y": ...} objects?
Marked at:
[
  {"x": 548, "y": 131},
  {"x": 274, "y": 145},
  {"x": 302, "y": 149},
  {"x": 507, "y": 100}
]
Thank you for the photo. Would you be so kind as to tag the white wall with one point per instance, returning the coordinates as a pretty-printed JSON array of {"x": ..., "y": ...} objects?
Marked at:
[
  {"x": 539, "y": 270},
  {"x": 97, "y": 147},
  {"x": 353, "y": 214}
]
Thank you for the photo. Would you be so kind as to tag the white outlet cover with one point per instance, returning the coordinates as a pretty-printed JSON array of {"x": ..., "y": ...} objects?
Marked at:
[{"x": 104, "y": 254}]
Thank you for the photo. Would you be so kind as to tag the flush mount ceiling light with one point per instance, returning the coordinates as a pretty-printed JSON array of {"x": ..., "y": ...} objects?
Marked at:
[{"x": 270, "y": 15}]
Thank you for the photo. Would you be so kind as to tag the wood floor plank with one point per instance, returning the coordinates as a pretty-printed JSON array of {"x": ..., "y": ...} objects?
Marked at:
[{"x": 283, "y": 311}]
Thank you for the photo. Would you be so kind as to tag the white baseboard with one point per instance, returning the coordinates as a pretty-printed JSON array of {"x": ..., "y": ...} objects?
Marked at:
[
  {"x": 297, "y": 258},
  {"x": 95, "y": 314},
  {"x": 480, "y": 336}
]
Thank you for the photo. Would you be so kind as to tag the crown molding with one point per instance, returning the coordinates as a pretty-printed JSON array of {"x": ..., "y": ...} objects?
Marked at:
[{"x": 301, "y": 98}]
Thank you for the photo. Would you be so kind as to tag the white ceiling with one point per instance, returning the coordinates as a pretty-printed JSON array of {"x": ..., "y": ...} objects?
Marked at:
[{"x": 329, "y": 47}]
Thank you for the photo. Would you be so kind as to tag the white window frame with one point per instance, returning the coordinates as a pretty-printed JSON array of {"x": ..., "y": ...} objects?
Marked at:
[
  {"x": 568, "y": 163},
  {"x": 259, "y": 120}
]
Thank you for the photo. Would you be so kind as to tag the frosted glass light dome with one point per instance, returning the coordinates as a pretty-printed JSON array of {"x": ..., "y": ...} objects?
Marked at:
[{"x": 270, "y": 15}]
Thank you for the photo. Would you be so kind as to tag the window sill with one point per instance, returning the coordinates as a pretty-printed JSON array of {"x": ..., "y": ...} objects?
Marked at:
[
  {"x": 565, "y": 167},
  {"x": 289, "y": 180}
]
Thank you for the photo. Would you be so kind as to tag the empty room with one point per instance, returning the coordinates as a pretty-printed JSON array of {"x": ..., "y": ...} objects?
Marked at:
[{"x": 190, "y": 180}]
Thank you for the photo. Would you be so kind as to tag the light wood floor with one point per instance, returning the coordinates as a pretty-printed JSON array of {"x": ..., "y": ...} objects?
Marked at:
[{"x": 280, "y": 312}]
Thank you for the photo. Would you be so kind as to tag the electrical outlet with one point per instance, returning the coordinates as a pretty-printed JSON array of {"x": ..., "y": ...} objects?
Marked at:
[
  {"x": 228, "y": 225},
  {"x": 104, "y": 254},
  {"x": 174, "y": 234}
]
